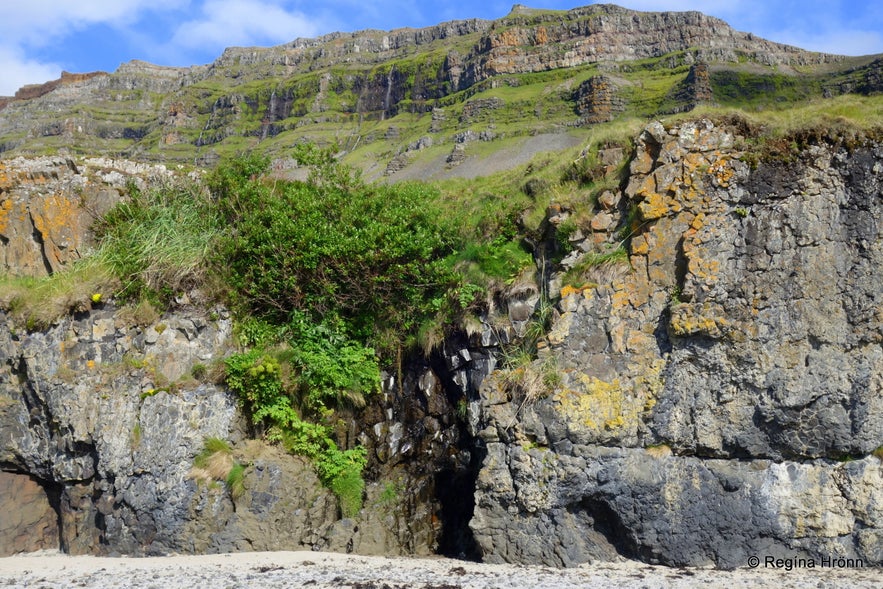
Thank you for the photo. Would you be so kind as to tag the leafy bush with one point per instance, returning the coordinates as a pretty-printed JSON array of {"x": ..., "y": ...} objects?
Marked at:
[
  {"x": 255, "y": 378},
  {"x": 333, "y": 369},
  {"x": 323, "y": 370},
  {"x": 370, "y": 255}
]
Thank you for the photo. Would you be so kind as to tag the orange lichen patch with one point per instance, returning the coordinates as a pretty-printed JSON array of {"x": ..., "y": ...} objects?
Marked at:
[
  {"x": 640, "y": 245},
  {"x": 693, "y": 162},
  {"x": 639, "y": 294},
  {"x": 705, "y": 270},
  {"x": 90, "y": 364},
  {"x": 5, "y": 180},
  {"x": 652, "y": 207},
  {"x": 707, "y": 319},
  {"x": 619, "y": 300},
  {"x": 722, "y": 172},
  {"x": 56, "y": 218},
  {"x": 568, "y": 290},
  {"x": 638, "y": 341},
  {"x": 5, "y": 207}
]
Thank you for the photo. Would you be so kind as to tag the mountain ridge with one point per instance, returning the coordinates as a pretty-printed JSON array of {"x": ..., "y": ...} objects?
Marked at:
[{"x": 377, "y": 88}]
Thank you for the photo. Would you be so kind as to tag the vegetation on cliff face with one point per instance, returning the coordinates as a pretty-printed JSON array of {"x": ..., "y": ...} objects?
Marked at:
[{"x": 331, "y": 277}]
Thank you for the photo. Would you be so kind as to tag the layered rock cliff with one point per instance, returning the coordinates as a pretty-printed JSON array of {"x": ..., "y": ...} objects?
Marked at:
[
  {"x": 721, "y": 392},
  {"x": 714, "y": 393},
  {"x": 341, "y": 88}
]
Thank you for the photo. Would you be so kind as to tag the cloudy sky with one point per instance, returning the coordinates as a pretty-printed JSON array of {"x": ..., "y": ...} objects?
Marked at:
[{"x": 40, "y": 38}]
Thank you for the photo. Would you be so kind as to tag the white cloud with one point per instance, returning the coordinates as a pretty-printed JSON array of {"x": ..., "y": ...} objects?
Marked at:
[
  {"x": 30, "y": 25},
  {"x": 837, "y": 42},
  {"x": 39, "y": 22},
  {"x": 18, "y": 71},
  {"x": 243, "y": 22}
]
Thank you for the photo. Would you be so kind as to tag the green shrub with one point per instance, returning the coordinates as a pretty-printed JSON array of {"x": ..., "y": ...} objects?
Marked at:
[
  {"x": 368, "y": 254},
  {"x": 325, "y": 369},
  {"x": 255, "y": 377}
]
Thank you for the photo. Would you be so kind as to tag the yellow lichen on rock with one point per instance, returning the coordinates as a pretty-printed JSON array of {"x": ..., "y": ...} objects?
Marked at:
[
  {"x": 597, "y": 406},
  {"x": 705, "y": 319},
  {"x": 5, "y": 207}
]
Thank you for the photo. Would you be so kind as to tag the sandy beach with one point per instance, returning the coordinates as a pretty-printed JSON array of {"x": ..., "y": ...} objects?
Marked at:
[{"x": 325, "y": 570}]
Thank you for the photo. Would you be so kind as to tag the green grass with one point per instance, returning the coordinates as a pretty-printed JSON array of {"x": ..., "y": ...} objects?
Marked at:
[
  {"x": 349, "y": 488},
  {"x": 39, "y": 302},
  {"x": 160, "y": 240},
  {"x": 215, "y": 463}
]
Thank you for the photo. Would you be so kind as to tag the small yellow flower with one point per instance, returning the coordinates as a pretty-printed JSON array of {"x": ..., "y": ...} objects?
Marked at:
[{"x": 96, "y": 298}]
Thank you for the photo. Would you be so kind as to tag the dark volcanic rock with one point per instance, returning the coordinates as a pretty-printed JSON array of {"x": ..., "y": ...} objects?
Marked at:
[{"x": 711, "y": 389}]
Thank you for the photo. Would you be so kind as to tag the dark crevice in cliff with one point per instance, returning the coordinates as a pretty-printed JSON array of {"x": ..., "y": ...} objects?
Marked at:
[
  {"x": 53, "y": 492},
  {"x": 41, "y": 245},
  {"x": 40, "y": 414},
  {"x": 661, "y": 332},
  {"x": 455, "y": 481},
  {"x": 455, "y": 491}
]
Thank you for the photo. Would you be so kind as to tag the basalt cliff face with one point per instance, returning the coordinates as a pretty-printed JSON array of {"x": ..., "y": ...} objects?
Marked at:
[
  {"x": 722, "y": 393},
  {"x": 717, "y": 396},
  {"x": 385, "y": 97}
]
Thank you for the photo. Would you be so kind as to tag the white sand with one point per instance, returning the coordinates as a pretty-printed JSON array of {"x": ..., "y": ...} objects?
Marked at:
[{"x": 321, "y": 570}]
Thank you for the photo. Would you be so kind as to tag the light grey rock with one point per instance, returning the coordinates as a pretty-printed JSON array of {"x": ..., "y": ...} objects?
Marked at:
[{"x": 720, "y": 397}]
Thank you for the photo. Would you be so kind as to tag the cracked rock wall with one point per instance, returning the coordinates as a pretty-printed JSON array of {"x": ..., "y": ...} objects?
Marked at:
[{"x": 721, "y": 395}]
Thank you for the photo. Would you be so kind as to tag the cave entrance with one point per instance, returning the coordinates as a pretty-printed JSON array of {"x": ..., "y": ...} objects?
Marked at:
[{"x": 455, "y": 492}]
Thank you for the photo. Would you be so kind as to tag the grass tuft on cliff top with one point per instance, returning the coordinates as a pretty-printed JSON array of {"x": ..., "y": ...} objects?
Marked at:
[{"x": 37, "y": 303}]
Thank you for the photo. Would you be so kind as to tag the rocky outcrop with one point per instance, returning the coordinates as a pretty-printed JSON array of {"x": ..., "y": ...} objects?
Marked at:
[
  {"x": 48, "y": 206},
  {"x": 597, "y": 100},
  {"x": 709, "y": 393},
  {"x": 103, "y": 415},
  {"x": 720, "y": 392},
  {"x": 29, "y": 521},
  {"x": 67, "y": 78},
  {"x": 696, "y": 89}
]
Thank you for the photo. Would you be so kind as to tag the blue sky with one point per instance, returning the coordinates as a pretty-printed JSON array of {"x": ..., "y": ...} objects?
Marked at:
[{"x": 39, "y": 38}]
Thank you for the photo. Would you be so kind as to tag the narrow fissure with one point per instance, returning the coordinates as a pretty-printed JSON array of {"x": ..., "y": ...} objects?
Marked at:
[
  {"x": 455, "y": 483},
  {"x": 455, "y": 491},
  {"x": 38, "y": 238},
  {"x": 53, "y": 492}
]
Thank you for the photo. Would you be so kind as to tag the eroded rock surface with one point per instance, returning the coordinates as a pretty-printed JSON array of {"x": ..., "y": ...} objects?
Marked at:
[{"x": 721, "y": 395}]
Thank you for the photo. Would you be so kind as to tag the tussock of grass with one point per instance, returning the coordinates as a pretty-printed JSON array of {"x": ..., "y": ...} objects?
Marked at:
[
  {"x": 39, "y": 302},
  {"x": 348, "y": 487},
  {"x": 161, "y": 239},
  {"x": 216, "y": 464}
]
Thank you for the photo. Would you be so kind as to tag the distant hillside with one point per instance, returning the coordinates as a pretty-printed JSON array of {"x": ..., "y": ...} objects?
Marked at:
[{"x": 419, "y": 102}]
